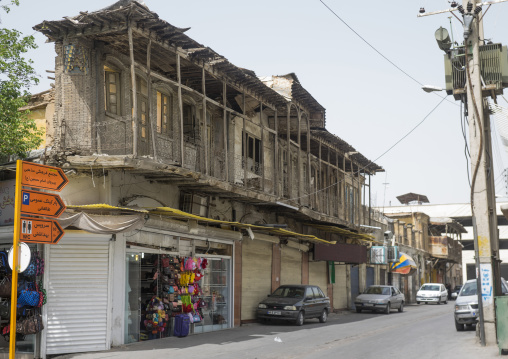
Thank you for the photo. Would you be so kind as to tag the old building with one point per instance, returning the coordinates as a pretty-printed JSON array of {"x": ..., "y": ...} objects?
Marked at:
[{"x": 171, "y": 150}]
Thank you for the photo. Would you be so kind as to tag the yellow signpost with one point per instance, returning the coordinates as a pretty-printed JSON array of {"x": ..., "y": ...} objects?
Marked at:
[
  {"x": 33, "y": 203},
  {"x": 15, "y": 261}
]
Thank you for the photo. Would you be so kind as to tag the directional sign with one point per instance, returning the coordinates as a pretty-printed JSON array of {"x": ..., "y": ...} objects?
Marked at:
[
  {"x": 36, "y": 230},
  {"x": 41, "y": 204},
  {"x": 41, "y": 176}
]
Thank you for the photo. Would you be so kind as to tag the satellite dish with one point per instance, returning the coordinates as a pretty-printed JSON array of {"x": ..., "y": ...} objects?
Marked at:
[{"x": 24, "y": 257}]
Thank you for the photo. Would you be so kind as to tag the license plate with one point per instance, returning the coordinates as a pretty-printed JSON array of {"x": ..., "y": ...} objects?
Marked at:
[
  {"x": 368, "y": 304},
  {"x": 274, "y": 312}
]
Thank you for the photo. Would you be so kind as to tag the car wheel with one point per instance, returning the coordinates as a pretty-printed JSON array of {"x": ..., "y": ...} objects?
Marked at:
[
  {"x": 426, "y": 302},
  {"x": 401, "y": 308},
  {"x": 446, "y": 301},
  {"x": 459, "y": 327},
  {"x": 388, "y": 308},
  {"x": 417, "y": 302},
  {"x": 358, "y": 310},
  {"x": 299, "y": 319},
  {"x": 324, "y": 316},
  {"x": 439, "y": 301}
]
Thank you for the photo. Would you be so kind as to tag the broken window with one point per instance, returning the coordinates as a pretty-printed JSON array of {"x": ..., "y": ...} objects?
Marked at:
[
  {"x": 194, "y": 204},
  {"x": 112, "y": 91},
  {"x": 164, "y": 111},
  {"x": 190, "y": 127},
  {"x": 253, "y": 153}
]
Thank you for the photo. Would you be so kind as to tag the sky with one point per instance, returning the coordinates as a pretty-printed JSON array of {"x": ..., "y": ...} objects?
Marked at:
[{"x": 370, "y": 102}]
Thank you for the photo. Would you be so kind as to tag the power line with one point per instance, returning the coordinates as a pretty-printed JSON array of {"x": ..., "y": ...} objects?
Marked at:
[{"x": 379, "y": 52}]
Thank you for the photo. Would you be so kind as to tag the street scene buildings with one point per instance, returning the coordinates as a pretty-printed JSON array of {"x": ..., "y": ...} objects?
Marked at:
[{"x": 183, "y": 165}]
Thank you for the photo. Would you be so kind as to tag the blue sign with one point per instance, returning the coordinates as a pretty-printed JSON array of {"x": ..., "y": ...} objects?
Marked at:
[{"x": 26, "y": 198}]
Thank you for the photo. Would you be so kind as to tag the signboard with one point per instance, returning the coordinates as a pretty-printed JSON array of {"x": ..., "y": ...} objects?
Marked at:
[
  {"x": 35, "y": 230},
  {"x": 41, "y": 204},
  {"x": 7, "y": 197},
  {"x": 41, "y": 176}
]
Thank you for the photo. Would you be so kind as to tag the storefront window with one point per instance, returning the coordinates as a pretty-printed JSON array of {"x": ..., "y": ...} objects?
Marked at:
[
  {"x": 132, "y": 296},
  {"x": 160, "y": 287}
]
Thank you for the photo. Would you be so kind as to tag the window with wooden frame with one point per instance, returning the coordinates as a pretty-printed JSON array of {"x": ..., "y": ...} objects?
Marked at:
[
  {"x": 112, "y": 87},
  {"x": 253, "y": 153},
  {"x": 190, "y": 127},
  {"x": 164, "y": 113}
]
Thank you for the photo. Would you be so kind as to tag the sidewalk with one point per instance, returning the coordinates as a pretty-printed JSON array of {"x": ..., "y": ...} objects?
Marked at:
[{"x": 179, "y": 345}]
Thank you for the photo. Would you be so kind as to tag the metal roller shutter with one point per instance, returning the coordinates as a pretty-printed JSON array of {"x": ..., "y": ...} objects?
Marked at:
[
  {"x": 77, "y": 283},
  {"x": 318, "y": 275},
  {"x": 256, "y": 275},
  {"x": 291, "y": 266}
]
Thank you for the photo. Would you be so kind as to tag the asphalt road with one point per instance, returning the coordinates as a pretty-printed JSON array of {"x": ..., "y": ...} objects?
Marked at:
[{"x": 423, "y": 331}]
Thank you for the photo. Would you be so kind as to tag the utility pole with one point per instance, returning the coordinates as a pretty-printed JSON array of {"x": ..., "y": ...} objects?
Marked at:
[{"x": 483, "y": 204}]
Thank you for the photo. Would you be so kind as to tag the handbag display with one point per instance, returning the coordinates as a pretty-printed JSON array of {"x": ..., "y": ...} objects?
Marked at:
[
  {"x": 5, "y": 309},
  {"x": 5, "y": 287},
  {"x": 31, "y": 324}
]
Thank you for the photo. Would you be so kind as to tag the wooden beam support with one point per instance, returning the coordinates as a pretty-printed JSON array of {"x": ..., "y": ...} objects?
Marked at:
[
  {"x": 134, "y": 95},
  {"x": 180, "y": 109}
]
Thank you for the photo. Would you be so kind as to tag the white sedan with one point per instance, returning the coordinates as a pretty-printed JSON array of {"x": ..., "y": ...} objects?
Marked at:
[{"x": 432, "y": 293}]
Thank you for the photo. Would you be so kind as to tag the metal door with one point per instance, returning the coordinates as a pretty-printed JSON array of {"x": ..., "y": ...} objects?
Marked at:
[{"x": 355, "y": 284}]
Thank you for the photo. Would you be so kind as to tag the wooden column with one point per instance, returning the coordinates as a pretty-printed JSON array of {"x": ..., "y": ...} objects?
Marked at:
[
  {"x": 237, "y": 310},
  {"x": 180, "y": 108},
  {"x": 205, "y": 122},
  {"x": 337, "y": 186},
  {"x": 276, "y": 265},
  {"x": 299, "y": 161},
  {"x": 345, "y": 201},
  {"x": 288, "y": 138},
  {"x": 245, "y": 144},
  {"x": 226, "y": 147},
  {"x": 262, "y": 154},
  {"x": 309, "y": 166},
  {"x": 134, "y": 95},
  {"x": 150, "y": 112},
  {"x": 318, "y": 183},
  {"x": 276, "y": 159}
]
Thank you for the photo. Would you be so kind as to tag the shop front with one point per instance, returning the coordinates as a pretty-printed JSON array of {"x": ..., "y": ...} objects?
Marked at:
[{"x": 191, "y": 276}]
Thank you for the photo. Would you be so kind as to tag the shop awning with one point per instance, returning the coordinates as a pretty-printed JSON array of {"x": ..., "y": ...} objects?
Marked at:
[
  {"x": 405, "y": 264},
  {"x": 108, "y": 211}
]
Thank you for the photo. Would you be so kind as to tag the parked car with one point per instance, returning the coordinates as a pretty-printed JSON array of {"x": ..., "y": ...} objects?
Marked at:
[
  {"x": 295, "y": 303},
  {"x": 432, "y": 293},
  {"x": 455, "y": 291},
  {"x": 466, "y": 304},
  {"x": 380, "y": 298}
]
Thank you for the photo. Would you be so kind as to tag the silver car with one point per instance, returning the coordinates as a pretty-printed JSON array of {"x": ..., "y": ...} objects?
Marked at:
[
  {"x": 466, "y": 304},
  {"x": 380, "y": 298}
]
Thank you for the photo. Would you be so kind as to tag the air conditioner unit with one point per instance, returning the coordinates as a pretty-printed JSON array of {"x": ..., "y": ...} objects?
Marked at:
[
  {"x": 392, "y": 254},
  {"x": 378, "y": 255}
]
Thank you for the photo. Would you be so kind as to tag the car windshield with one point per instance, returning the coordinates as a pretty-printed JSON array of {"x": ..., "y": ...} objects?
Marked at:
[
  {"x": 432, "y": 287},
  {"x": 288, "y": 292},
  {"x": 378, "y": 290},
  {"x": 468, "y": 289}
]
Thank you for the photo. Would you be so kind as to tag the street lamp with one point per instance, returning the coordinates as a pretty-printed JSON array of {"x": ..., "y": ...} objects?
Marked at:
[{"x": 430, "y": 88}]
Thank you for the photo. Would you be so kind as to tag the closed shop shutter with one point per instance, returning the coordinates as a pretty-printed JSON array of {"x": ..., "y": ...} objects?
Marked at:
[
  {"x": 340, "y": 288},
  {"x": 318, "y": 275},
  {"x": 291, "y": 266},
  {"x": 256, "y": 275},
  {"x": 77, "y": 276}
]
